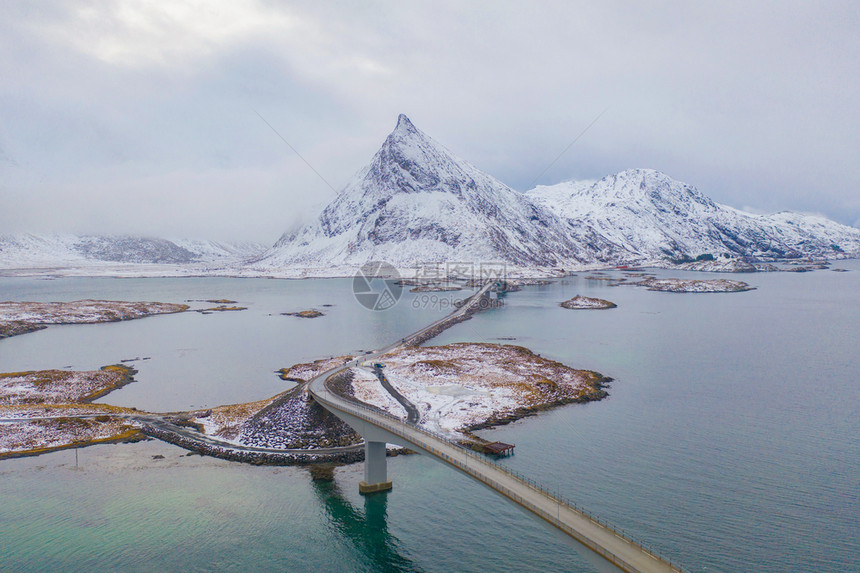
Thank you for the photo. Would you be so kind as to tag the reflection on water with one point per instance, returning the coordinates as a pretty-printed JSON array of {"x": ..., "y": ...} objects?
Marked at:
[{"x": 368, "y": 531}]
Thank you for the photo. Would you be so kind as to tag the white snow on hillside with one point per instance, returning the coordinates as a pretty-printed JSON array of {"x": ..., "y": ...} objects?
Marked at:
[
  {"x": 416, "y": 203},
  {"x": 647, "y": 215},
  {"x": 121, "y": 255}
]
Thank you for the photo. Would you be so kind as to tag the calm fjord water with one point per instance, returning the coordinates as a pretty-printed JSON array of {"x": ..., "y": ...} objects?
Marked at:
[{"x": 729, "y": 440}]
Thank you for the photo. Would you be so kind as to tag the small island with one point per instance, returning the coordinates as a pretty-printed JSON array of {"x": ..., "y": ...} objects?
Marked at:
[
  {"x": 435, "y": 288},
  {"x": 463, "y": 387},
  {"x": 587, "y": 303},
  {"x": 694, "y": 286},
  {"x": 311, "y": 313},
  {"x": 23, "y": 317},
  {"x": 62, "y": 386},
  {"x": 221, "y": 308},
  {"x": 30, "y": 430}
]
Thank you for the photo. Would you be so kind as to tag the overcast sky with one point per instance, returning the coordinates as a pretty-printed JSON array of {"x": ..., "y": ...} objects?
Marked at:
[{"x": 141, "y": 117}]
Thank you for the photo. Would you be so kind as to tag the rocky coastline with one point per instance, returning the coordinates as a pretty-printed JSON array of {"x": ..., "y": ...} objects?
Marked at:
[
  {"x": 596, "y": 393},
  {"x": 307, "y": 457}
]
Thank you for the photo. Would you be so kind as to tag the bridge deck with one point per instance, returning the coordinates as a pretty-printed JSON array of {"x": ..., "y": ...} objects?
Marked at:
[{"x": 588, "y": 530}]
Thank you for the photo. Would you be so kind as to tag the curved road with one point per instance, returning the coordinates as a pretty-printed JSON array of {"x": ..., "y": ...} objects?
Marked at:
[{"x": 413, "y": 416}]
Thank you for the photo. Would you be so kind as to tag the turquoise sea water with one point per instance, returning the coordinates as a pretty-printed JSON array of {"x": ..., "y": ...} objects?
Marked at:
[{"x": 729, "y": 441}]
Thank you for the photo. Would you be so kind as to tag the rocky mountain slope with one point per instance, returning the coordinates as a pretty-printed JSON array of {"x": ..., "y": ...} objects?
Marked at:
[
  {"x": 416, "y": 202},
  {"x": 48, "y": 251},
  {"x": 642, "y": 214}
]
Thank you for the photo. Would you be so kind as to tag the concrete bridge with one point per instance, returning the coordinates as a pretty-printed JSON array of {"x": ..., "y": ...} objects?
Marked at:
[{"x": 378, "y": 428}]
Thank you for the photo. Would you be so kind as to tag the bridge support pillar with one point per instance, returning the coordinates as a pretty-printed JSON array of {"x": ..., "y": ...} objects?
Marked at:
[{"x": 375, "y": 469}]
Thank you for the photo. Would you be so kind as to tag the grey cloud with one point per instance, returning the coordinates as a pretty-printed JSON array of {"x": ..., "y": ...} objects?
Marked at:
[{"x": 754, "y": 104}]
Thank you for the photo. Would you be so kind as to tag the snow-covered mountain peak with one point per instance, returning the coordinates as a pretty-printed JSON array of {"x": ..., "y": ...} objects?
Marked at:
[
  {"x": 646, "y": 214},
  {"x": 404, "y": 123},
  {"x": 641, "y": 187},
  {"x": 418, "y": 202},
  {"x": 409, "y": 161}
]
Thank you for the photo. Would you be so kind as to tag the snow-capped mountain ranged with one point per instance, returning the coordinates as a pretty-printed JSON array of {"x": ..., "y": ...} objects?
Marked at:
[
  {"x": 416, "y": 202},
  {"x": 645, "y": 215},
  {"x": 48, "y": 251}
]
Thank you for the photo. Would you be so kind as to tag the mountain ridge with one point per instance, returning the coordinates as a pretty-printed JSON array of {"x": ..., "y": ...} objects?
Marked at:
[
  {"x": 653, "y": 216},
  {"x": 27, "y": 250},
  {"x": 418, "y": 203},
  {"x": 389, "y": 212}
]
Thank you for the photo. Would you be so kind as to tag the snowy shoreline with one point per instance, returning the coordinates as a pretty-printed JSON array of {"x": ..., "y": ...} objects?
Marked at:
[
  {"x": 19, "y": 317},
  {"x": 462, "y": 387},
  {"x": 411, "y": 275}
]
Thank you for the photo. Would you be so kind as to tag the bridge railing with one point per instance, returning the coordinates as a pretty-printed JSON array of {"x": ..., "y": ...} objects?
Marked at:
[{"x": 396, "y": 426}]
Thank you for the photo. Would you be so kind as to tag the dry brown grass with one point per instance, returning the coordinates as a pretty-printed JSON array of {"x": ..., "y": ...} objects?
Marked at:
[
  {"x": 33, "y": 410},
  {"x": 439, "y": 366},
  {"x": 228, "y": 419}
]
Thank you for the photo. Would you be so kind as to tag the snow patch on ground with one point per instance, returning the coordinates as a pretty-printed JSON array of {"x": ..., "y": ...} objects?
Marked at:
[
  {"x": 226, "y": 421},
  {"x": 719, "y": 265},
  {"x": 367, "y": 388},
  {"x": 307, "y": 371},
  {"x": 61, "y": 386},
  {"x": 462, "y": 385},
  {"x": 34, "y": 436}
]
